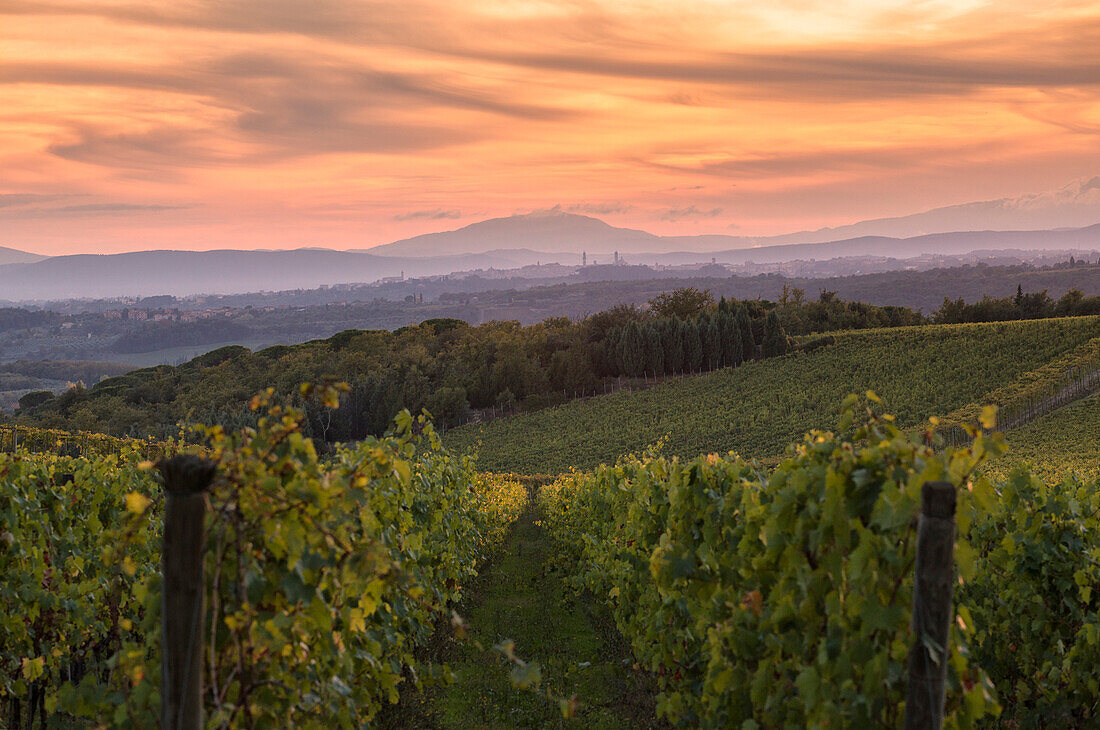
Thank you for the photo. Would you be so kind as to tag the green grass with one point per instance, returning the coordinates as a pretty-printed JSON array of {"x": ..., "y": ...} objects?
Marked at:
[
  {"x": 570, "y": 637},
  {"x": 761, "y": 407},
  {"x": 1063, "y": 442}
]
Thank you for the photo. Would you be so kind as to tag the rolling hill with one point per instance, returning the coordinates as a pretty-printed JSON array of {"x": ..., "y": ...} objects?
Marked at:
[{"x": 759, "y": 408}]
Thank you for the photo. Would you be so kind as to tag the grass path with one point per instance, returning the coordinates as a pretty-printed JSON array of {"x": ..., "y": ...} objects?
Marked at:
[{"x": 520, "y": 596}]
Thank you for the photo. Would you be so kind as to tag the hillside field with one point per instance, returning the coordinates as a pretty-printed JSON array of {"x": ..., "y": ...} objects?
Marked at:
[
  {"x": 760, "y": 407},
  {"x": 1058, "y": 444}
]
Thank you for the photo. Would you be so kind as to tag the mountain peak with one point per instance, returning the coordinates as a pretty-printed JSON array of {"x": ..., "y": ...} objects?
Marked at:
[{"x": 552, "y": 230}]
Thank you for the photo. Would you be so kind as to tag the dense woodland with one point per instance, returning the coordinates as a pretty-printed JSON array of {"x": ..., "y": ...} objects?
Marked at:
[{"x": 459, "y": 371}]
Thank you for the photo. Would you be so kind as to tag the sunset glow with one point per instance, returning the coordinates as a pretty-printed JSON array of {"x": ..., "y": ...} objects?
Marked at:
[{"x": 285, "y": 123}]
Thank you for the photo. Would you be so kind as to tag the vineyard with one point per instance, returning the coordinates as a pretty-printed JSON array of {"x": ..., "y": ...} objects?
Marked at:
[
  {"x": 760, "y": 407},
  {"x": 323, "y": 577},
  {"x": 81, "y": 443},
  {"x": 1061, "y": 443},
  {"x": 390, "y": 584},
  {"x": 783, "y": 598}
]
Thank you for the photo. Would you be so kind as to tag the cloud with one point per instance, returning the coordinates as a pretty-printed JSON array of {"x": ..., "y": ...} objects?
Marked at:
[
  {"x": 1069, "y": 57},
  {"x": 598, "y": 208},
  {"x": 435, "y": 214},
  {"x": 826, "y": 159},
  {"x": 688, "y": 213},
  {"x": 281, "y": 106},
  {"x": 19, "y": 200},
  {"x": 40, "y": 208}
]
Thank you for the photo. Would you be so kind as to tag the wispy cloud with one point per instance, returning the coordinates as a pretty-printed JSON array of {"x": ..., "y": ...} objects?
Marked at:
[
  {"x": 689, "y": 213},
  {"x": 599, "y": 208},
  {"x": 434, "y": 214},
  {"x": 19, "y": 200},
  {"x": 38, "y": 206}
]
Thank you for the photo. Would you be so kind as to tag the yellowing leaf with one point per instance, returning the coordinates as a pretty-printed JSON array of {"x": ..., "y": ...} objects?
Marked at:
[
  {"x": 33, "y": 668},
  {"x": 137, "y": 503},
  {"x": 988, "y": 419}
]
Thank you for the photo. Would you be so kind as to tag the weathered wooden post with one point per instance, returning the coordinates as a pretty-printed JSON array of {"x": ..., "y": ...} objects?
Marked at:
[
  {"x": 931, "y": 623},
  {"x": 186, "y": 479}
]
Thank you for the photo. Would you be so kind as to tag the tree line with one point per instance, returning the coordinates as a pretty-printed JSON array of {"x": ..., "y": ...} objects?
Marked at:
[
  {"x": 460, "y": 371},
  {"x": 1030, "y": 305},
  {"x": 673, "y": 345}
]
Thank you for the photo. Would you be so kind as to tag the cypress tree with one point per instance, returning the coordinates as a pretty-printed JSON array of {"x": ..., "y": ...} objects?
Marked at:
[
  {"x": 732, "y": 352},
  {"x": 633, "y": 350},
  {"x": 775, "y": 339},
  {"x": 748, "y": 343},
  {"x": 672, "y": 340},
  {"x": 613, "y": 347},
  {"x": 693, "y": 346},
  {"x": 712, "y": 343},
  {"x": 654, "y": 350}
]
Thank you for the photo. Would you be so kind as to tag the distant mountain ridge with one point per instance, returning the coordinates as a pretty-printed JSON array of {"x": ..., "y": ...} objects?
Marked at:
[
  {"x": 14, "y": 256},
  {"x": 1076, "y": 205},
  {"x": 181, "y": 273},
  {"x": 546, "y": 231},
  {"x": 1069, "y": 218}
]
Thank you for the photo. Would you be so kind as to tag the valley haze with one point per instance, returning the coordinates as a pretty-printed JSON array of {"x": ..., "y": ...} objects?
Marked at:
[{"x": 545, "y": 237}]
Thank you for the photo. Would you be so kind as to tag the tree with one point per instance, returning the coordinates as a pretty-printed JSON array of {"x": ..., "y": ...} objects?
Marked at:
[
  {"x": 599, "y": 325},
  {"x": 613, "y": 349},
  {"x": 748, "y": 343},
  {"x": 633, "y": 350},
  {"x": 775, "y": 339},
  {"x": 732, "y": 352},
  {"x": 693, "y": 346},
  {"x": 685, "y": 303},
  {"x": 654, "y": 350},
  {"x": 34, "y": 398},
  {"x": 672, "y": 341},
  {"x": 449, "y": 405},
  {"x": 712, "y": 343}
]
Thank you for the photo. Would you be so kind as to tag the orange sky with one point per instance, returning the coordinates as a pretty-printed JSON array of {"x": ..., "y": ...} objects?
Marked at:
[{"x": 283, "y": 123}]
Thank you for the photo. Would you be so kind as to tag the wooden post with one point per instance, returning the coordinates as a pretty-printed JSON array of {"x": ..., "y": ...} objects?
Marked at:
[
  {"x": 186, "y": 479},
  {"x": 931, "y": 623}
]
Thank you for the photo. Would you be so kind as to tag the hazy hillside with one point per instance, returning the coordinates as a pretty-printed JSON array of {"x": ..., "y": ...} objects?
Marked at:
[
  {"x": 1074, "y": 205},
  {"x": 180, "y": 273},
  {"x": 14, "y": 256},
  {"x": 1030, "y": 221},
  {"x": 554, "y": 232},
  {"x": 548, "y": 231},
  {"x": 1087, "y": 239}
]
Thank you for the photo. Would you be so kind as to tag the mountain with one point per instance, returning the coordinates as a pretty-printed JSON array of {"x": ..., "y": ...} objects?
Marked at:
[
  {"x": 13, "y": 256},
  {"x": 553, "y": 231},
  {"x": 1072, "y": 206},
  {"x": 180, "y": 273},
  {"x": 961, "y": 242},
  {"x": 550, "y": 231}
]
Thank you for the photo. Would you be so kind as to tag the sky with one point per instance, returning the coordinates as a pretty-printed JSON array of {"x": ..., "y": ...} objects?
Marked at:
[{"x": 202, "y": 124}]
